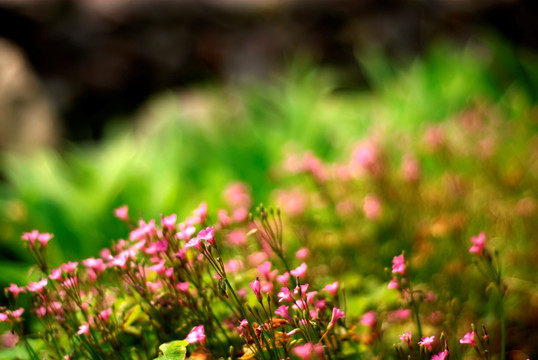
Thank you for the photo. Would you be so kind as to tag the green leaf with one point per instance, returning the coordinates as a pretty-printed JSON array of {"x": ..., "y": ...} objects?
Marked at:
[{"x": 174, "y": 350}]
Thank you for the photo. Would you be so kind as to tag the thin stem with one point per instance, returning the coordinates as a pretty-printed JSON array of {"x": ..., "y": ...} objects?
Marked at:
[{"x": 503, "y": 326}]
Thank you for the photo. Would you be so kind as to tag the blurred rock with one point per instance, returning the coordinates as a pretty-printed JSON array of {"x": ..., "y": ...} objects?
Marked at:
[{"x": 27, "y": 120}]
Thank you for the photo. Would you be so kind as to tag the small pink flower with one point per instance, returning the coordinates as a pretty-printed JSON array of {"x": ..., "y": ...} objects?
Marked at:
[
  {"x": 406, "y": 337},
  {"x": 369, "y": 319},
  {"x": 427, "y": 341},
  {"x": 393, "y": 284},
  {"x": 105, "y": 314},
  {"x": 283, "y": 311},
  {"x": 441, "y": 356},
  {"x": 372, "y": 207},
  {"x": 17, "y": 313},
  {"x": 70, "y": 266},
  {"x": 37, "y": 286},
  {"x": 283, "y": 279},
  {"x": 468, "y": 339},
  {"x": 255, "y": 286},
  {"x": 34, "y": 235},
  {"x": 398, "y": 265},
  {"x": 56, "y": 274},
  {"x": 207, "y": 234},
  {"x": 337, "y": 314},
  {"x": 309, "y": 351},
  {"x": 169, "y": 222},
  {"x": 122, "y": 213},
  {"x": 478, "y": 244},
  {"x": 15, "y": 290},
  {"x": 302, "y": 253},
  {"x": 265, "y": 269},
  {"x": 4, "y": 317},
  {"x": 196, "y": 335},
  {"x": 84, "y": 329},
  {"x": 285, "y": 295},
  {"x": 237, "y": 238},
  {"x": 300, "y": 271},
  {"x": 331, "y": 288}
]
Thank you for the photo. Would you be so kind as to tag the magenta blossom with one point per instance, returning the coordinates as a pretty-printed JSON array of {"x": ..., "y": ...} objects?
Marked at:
[
  {"x": 256, "y": 288},
  {"x": 34, "y": 235},
  {"x": 398, "y": 265},
  {"x": 122, "y": 213},
  {"x": 309, "y": 351},
  {"x": 196, "y": 335},
  {"x": 406, "y": 337},
  {"x": 441, "y": 356},
  {"x": 337, "y": 314},
  {"x": 369, "y": 319},
  {"x": 468, "y": 339},
  {"x": 84, "y": 329},
  {"x": 478, "y": 244},
  {"x": 427, "y": 342},
  {"x": 331, "y": 288},
  {"x": 300, "y": 271}
]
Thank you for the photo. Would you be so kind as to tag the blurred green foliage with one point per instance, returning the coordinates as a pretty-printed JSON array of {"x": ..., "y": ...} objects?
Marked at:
[{"x": 175, "y": 158}]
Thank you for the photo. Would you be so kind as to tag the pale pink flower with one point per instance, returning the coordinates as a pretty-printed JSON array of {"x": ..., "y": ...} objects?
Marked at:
[
  {"x": 4, "y": 317},
  {"x": 369, "y": 319},
  {"x": 37, "y": 286},
  {"x": 70, "y": 266},
  {"x": 283, "y": 279},
  {"x": 84, "y": 329},
  {"x": 441, "y": 356},
  {"x": 336, "y": 315},
  {"x": 105, "y": 314},
  {"x": 255, "y": 286},
  {"x": 169, "y": 222},
  {"x": 427, "y": 342},
  {"x": 17, "y": 313},
  {"x": 398, "y": 265},
  {"x": 196, "y": 335},
  {"x": 410, "y": 169},
  {"x": 122, "y": 213},
  {"x": 15, "y": 290},
  {"x": 468, "y": 339},
  {"x": 300, "y": 271},
  {"x": 302, "y": 253},
  {"x": 237, "y": 237},
  {"x": 372, "y": 207},
  {"x": 34, "y": 235},
  {"x": 331, "y": 288},
  {"x": 478, "y": 244},
  {"x": 207, "y": 234},
  {"x": 406, "y": 337},
  {"x": 285, "y": 295},
  {"x": 399, "y": 315},
  {"x": 309, "y": 351},
  {"x": 237, "y": 195},
  {"x": 265, "y": 269},
  {"x": 393, "y": 284},
  {"x": 283, "y": 311}
]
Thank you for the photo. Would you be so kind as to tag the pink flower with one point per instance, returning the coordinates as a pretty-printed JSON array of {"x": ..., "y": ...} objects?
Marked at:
[
  {"x": 406, "y": 337},
  {"x": 15, "y": 290},
  {"x": 393, "y": 284},
  {"x": 478, "y": 244},
  {"x": 122, "y": 213},
  {"x": 337, "y": 314},
  {"x": 17, "y": 313},
  {"x": 468, "y": 339},
  {"x": 105, "y": 314},
  {"x": 369, "y": 319},
  {"x": 196, "y": 335},
  {"x": 34, "y": 235},
  {"x": 169, "y": 222},
  {"x": 283, "y": 311},
  {"x": 285, "y": 295},
  {"x": 331, "y": 288},
  {"x": 84, "y": 329},
  {"x": 398, "y": 265},
  {"x": 372, "y": 207},
  {"x": 69, "y": 267},
  {"x": 302, "y": 253},
  {"x": 441, "y": 356},
  {"x": 237, "y": 237},
  {"x": 300, "y": 271},
  {"x": 309, "y": 351},
  {"x": 427, "y": 342},
  {"x": 37, "y": 286},
  {"x": 283, "y": 279},
  {"x": 207, "y": 234},
  {"x": 255, "y": 286},
  {"x": 265, "y": 269},
  {"x": 4, "y": 317}
]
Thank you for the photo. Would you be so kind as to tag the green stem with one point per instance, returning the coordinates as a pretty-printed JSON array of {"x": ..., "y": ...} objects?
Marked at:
[
  {"x": 503, "y": 326},
  {"x": 415, "y": 308},
  {"x": 244, "y": 314}
]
